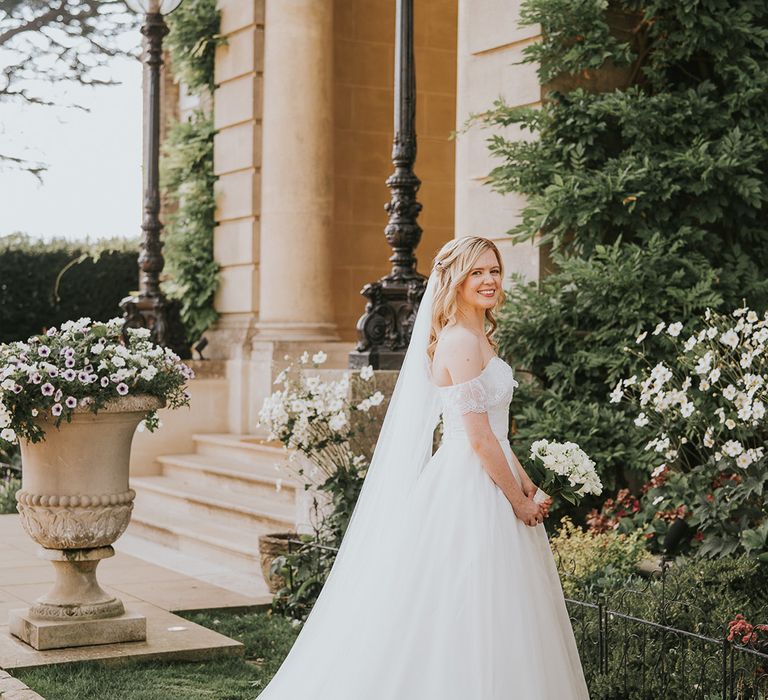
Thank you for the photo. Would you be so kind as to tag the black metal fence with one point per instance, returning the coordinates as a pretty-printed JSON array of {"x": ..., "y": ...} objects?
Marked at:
[{"x": 628, "y": 657}]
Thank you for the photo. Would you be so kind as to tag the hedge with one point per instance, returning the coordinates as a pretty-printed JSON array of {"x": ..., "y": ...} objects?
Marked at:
[{"x": 43, "y": 284}]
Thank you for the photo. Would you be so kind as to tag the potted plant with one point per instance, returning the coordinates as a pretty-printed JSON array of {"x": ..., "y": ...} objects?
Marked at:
[
  {"x": 323, "y": 422},
  {"x": 73, "y": 398}
]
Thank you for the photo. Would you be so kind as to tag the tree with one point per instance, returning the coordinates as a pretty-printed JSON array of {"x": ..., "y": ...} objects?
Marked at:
[{"x": 56, "y": 41}]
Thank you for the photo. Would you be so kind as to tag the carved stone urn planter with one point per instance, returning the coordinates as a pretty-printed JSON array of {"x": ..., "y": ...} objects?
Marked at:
[{"x": 75, "y": 502}]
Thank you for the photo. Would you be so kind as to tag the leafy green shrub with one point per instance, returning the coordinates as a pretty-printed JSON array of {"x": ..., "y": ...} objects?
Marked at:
[
  {"x": 656, "y": 124},
  {"x": 10, "y": 483},
  {"x": 590, "y": 563},
  {"x": 569, "y": 332},
  {"x": 45, "y": 284},
  {"x": 706, "y": 401}
]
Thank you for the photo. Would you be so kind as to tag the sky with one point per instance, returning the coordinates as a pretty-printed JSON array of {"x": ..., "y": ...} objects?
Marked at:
[{"x": 93, "y": 184}]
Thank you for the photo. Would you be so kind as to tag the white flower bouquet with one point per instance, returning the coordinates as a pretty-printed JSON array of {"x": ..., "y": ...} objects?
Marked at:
[
  {"x": 564, "y": 469},
  {"x": 83, "y": 363}
]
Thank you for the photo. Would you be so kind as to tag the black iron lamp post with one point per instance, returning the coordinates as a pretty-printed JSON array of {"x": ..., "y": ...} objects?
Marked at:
[
  {"x": 384, "y": 330},
  {"x": 150, "y": 309}
]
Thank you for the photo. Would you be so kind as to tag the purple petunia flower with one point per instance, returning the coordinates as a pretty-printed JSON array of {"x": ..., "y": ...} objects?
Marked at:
[
  {"x": 69, "y": 362},
  {"x": 105, "y": 381},
  {"x": 51, "y": 332},
  {"x": 69, "y": 375},
  {"x": 122, "y": 388},
  {"x": 16, "y": 388},
  {"x": 70, "y": 402},
  {"x": 35, "y": 378},
  {"x": 43, "y": 351},
  {"x": 83, "y": 376},
  {"x": 56, "y": 409},
  {"x": 57, "y": 396},
  {"x": 47, "y": 389}
]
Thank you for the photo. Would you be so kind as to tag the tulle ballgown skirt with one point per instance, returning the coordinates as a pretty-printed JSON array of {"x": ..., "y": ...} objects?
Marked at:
[{"x": 464, "y": 604}]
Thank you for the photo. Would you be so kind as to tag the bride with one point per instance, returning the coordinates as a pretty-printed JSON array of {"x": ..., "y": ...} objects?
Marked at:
[{"x": 444, "y": 587}]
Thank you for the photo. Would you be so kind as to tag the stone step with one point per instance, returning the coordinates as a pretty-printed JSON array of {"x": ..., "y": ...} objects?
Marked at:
[
  {"x": 255, "y": 452},
  {"x": 236, "y": 548},
  {"x": 163, "y": 493},
  {"x": 223, "y": 476}
]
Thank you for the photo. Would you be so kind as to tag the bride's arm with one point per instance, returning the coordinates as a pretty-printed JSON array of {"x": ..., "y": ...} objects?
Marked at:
[
  {"x": 529, "y": 488},
  {"x": 464, "y": 362},
  {"x": 487, "y": 447}
]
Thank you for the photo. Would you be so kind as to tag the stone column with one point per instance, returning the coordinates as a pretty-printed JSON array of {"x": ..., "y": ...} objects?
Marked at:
[{"x": 295, "y": 299}]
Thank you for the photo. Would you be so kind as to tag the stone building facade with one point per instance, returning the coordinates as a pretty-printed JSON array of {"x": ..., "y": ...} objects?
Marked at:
[{"x": 303, "y": 106}]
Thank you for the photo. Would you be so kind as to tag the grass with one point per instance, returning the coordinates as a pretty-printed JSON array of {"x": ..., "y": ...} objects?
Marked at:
[{"x": 267, "y": 639}]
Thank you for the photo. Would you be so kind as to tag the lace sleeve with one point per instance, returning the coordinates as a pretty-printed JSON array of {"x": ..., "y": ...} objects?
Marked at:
[{"x": 467, "y": 397}]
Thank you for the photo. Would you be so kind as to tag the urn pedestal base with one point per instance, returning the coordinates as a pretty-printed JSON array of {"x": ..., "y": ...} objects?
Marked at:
[
  {"x": 60, "y": 634},
  {"x": 76, "y": 611}
]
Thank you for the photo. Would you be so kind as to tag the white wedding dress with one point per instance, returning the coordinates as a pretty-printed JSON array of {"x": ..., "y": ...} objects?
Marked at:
[{"x": 463, "y": 601}]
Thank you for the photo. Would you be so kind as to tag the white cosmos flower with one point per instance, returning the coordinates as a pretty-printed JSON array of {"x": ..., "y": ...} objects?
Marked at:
[
  {"x": 729, "y": 392},
  {"x": 8, "y": 435},
  {"x": 690, "y": 344},
  {"x": 730, "y": 423},
  {"x": 711, "y": 333},
  {"x": 640, "y": 338},
  {"x": 708, "y": 437},
  {"x": 377, "y": 398},
  {"x": 641, "y": 420},
  {"x": 752, "y": 317},
  {"x": 366, "y": 372},
  {"x": 743, "y": 460},
  {"x": 674, "y": 329},
  {"x": 730, "y": 338},
  {"x": 686, "y": 409},
  {"x": 714, "y": 375},
  {"x": 659, "y": 328},
  {"x": 733, "y": 448},
  {"x": 617, "y": 394}
]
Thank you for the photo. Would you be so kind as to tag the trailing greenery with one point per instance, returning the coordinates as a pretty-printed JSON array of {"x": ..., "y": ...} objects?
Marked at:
[
  {"x": 187, "y": 176},
  {"x": 188, "y": 179},
  {"x": 194, "y": 35},
  {"x": 267, "y": 640},
  {"x": 45, "y": 284}
]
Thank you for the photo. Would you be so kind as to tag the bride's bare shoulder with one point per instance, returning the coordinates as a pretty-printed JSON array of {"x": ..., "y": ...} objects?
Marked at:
[{"x": 458, "y": 354}]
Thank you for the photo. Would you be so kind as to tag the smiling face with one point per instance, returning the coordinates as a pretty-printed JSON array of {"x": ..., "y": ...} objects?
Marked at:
[{"x": 482, "y": 285}]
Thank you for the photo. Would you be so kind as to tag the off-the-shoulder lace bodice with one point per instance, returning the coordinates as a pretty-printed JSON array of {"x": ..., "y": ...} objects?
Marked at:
[{"x": 490, "y": 392}]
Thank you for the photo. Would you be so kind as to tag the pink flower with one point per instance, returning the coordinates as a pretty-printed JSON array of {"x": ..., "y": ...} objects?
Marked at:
[
  {"x": 71, "y": 402},
  {"x": 69, "y": 375},
  {"x": 122, "y": 388},
  {"x": 47, "y": 389},
  {"x": 56, "y": 409},
  {"x": 69, "y": 362}
]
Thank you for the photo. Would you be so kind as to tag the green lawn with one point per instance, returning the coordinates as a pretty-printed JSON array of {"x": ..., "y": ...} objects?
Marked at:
[{"x": 267, "y": 640}]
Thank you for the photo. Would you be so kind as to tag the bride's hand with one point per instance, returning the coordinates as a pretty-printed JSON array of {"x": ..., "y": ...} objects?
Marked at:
[{"x": 529, "y": 512}]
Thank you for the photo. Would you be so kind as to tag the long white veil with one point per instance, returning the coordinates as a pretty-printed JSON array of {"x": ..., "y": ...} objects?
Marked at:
[{"x": 403, "y": 449}]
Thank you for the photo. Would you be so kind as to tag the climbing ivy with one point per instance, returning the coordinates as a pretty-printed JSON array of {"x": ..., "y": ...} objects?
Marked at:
[{"x": 187, "y": 175}]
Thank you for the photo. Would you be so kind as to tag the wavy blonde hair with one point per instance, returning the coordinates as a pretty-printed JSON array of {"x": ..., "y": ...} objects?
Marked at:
[{"x": 452, "y": 265}]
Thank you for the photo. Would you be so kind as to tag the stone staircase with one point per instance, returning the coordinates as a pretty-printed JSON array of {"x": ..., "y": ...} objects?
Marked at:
[{"x": 217, "y": 501}]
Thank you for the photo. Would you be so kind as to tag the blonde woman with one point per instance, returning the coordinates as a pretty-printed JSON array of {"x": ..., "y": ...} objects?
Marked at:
[{"x": 445, "y": 587}]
